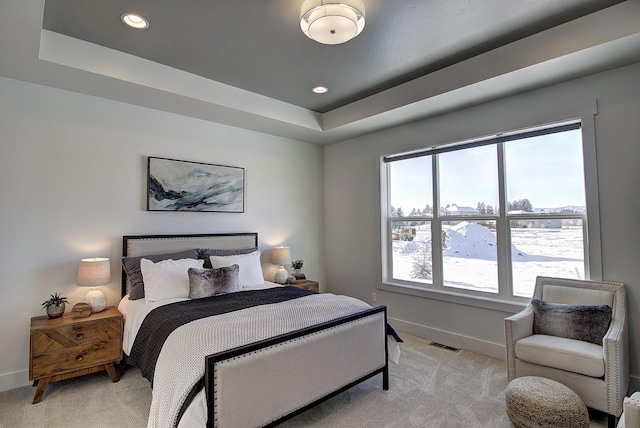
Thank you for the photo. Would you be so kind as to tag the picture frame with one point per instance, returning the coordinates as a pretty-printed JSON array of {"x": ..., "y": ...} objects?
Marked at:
[{"x": 179, "y": 185}]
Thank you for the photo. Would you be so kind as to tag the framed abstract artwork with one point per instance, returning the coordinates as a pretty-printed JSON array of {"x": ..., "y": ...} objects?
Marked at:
[{"x": 176, "y": 185}]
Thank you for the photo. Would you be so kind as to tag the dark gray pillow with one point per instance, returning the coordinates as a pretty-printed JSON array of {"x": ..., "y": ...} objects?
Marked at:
[
  {"x": 131, "y": 266},
  {"x": 211, "y": 282},
  {"x": 580, "y": 322},
  {"x": 204, "y": 253}
]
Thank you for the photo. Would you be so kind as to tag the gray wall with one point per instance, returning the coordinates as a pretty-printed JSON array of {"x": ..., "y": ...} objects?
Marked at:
[
  {"x": 72, "y": 182},
  {"x": 352, "y": 204}
]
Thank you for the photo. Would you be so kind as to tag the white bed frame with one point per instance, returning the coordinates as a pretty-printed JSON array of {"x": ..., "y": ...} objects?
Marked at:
[{"x": 265, "y": 383}]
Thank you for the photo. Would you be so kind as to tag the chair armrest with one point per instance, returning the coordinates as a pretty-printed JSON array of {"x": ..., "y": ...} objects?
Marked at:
[
  {"x": 516, "y": 327},
  {"x": 520, "y": 325},
  {"x": 616, "y": 363}
]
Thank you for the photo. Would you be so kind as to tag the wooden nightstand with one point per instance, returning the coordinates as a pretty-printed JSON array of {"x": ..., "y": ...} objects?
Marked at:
[
  {"x": 66, "y": 347},
  {"x": 307, "y": 285}
]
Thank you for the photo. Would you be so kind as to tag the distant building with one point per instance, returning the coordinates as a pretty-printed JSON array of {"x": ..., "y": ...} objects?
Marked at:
[
  {"x": 542, "y": 223},
  {"x": 456, "y": 210}
]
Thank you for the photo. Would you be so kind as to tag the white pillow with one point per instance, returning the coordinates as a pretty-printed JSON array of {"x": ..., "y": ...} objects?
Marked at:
[
  {"x": 167, "y": 279},
  {"x": 250, "y": 273}
]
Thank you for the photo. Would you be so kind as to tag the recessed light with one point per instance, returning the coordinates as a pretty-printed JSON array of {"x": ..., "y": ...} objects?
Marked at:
[
  {"x": 135, "y": 21},
  {"x": 320, "y": 90}
]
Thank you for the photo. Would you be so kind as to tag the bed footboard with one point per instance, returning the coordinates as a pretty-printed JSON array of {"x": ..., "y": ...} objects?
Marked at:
[{"x": 264, "y": 383}]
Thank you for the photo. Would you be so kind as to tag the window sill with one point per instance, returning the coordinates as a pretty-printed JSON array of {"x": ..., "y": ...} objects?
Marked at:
[{"x": 495, "y": 304}]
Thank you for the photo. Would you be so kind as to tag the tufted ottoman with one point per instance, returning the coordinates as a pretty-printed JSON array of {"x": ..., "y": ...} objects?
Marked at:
[{"x": 538, "y": 402}]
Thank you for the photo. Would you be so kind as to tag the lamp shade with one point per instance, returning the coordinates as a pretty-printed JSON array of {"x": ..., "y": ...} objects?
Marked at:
[
  {"x": 281, "y": 256},
  {"x": 94, "y": 272}
]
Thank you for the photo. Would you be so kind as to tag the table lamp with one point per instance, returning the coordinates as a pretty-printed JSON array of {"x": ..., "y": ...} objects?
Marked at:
[
  {"x": 281, "y": 256},
  {"x": 92, "y": 273}
]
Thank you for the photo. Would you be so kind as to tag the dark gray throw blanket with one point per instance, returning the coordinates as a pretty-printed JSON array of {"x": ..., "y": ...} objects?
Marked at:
[{"x": 162, "y": 321}]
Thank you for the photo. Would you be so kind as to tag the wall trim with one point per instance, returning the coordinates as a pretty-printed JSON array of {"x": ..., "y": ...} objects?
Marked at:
[
  {"x": 13, "y": 380},
  {"x": 476, "y": 300},
  {"x": 495, "y": 350}
]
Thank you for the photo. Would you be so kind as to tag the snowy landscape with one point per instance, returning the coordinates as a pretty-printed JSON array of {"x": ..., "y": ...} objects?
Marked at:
[{"x": 469, "y": 256}]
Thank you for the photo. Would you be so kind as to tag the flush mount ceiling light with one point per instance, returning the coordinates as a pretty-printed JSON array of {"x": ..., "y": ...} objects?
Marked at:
[
  {"x": 332, "y": 21},
  {"x": 320, "y": 90},
  {"x": 135, "y": 21}
]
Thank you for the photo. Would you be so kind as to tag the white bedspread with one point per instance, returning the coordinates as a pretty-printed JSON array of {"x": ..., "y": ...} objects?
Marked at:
[{"x": 181, "y": 362}]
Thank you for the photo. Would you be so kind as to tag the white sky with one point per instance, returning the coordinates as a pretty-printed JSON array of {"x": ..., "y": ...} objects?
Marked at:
[{"x": 547, "y": 170}]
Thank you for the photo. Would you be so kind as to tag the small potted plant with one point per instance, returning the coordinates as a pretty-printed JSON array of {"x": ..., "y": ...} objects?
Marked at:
[
  {"x": 296, "y": 265},
  {"x": 55, "y": 305}
]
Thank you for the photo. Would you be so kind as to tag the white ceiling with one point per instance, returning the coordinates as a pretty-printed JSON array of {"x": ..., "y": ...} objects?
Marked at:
[{"x": 246, "y": 63}]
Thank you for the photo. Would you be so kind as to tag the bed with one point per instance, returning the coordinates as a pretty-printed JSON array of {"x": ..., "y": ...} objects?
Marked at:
[{"x": 259, "y": 364}]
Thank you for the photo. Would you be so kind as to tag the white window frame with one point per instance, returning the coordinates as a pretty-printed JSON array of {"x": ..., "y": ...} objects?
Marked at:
[{"x": 503, "y": 300}]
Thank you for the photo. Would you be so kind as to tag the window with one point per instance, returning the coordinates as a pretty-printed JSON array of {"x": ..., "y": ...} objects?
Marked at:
[{"x": 510, "y": 208}]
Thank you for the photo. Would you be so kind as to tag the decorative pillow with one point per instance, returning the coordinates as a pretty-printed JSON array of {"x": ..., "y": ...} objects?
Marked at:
[
  {"x": 250, "y": 273},
  {"x": 205, "y": 253},
  {"x": 131, "y": 266},
  {"x": 212, "y": 282},
  {"x": 580, "y": 322},
  {"x": 167, "y": 279}
]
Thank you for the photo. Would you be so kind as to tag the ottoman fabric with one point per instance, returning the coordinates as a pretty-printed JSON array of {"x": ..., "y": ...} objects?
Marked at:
[{"x": 538, "y": 402}]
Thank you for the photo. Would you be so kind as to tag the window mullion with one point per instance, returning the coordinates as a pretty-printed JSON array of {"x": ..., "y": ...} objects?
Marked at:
[
  {"x": 389, "y": 247},
  {"x": 587, "y": 246},
  {"x": 503, "y": 231},
  {"x": 436, "y": 226},
  {"x": 388, "y": 243}
]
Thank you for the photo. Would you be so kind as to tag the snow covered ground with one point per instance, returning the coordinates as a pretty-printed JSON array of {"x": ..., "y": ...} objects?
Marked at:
[{"x": 470, "y": 256}]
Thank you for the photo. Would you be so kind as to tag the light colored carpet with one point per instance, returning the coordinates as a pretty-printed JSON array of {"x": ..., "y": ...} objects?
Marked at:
[{"x": 431, "y": 387}]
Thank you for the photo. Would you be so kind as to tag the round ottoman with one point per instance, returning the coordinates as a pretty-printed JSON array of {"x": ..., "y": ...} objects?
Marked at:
[{"x": 538, "y": 402}]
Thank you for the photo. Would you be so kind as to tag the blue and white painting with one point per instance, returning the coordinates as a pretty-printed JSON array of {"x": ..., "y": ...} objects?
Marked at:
[{"x": 175, "y": 185}]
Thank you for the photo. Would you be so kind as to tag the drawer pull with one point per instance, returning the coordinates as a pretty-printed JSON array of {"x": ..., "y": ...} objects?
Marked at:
[
  {"x": 79, "y": 336},
  {"x": 79, "y": 358}
]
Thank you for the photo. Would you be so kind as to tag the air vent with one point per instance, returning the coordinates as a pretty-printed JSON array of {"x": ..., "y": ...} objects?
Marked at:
[{"x": 441, "y": 346}]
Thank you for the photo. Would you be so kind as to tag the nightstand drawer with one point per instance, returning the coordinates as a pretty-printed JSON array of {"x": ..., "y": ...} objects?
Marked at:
[
  {"x": 307, "y": 285},
  {"x": 79, "y": 334},
  {"x": 75, "y": 358}
]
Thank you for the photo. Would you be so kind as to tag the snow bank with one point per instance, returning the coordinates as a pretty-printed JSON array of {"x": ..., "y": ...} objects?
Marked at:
[{"x": 473, "y": 241}]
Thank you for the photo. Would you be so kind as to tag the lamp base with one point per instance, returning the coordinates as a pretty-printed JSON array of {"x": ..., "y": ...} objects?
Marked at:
[
  {"x": 281, "y": 276},
  {"x": 97, "y": 299}
]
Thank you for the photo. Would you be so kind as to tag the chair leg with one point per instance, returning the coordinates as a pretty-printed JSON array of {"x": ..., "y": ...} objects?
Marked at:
[{"x": 611, "y": 421}]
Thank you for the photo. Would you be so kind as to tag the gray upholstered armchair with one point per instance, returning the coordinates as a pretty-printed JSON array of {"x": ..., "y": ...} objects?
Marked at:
[{"x": 598, "y": 373}]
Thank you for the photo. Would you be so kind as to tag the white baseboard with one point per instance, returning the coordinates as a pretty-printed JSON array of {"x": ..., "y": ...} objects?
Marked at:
[
  {"x": 448, "y": 338},
  {"x": 495, "y": 350},
  {"x": 13, "y": 380}
]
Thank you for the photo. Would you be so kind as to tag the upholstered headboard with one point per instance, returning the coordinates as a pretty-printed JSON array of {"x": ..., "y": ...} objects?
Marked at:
[{"x": 144, "y": 245}]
